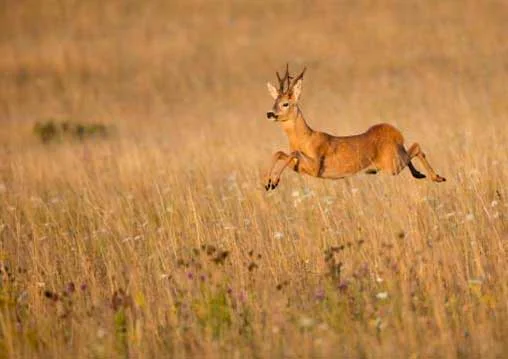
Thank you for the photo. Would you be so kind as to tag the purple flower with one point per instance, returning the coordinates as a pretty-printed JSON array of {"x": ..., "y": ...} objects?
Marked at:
[
  {"x": 242, "y": 296},
  {"x": 70, "y": 288},
  {"x": 320, "y": 294},
  {"x": 343, "y": 285}
]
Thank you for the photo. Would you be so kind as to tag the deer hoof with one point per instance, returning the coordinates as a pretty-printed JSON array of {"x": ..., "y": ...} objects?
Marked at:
[{"x": 438, "y": 178}]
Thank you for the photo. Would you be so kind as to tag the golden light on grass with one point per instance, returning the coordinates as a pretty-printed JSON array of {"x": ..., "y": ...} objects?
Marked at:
[{"x": 160, "y": 240}]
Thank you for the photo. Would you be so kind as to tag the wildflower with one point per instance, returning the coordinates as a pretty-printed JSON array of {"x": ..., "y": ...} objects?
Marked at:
[
  {"x": 475, "y": 281},
  {"x": 71, "y": 288},
  {"x": 469, "y": 217},
  {"x": 278, "y": 235},
  {"x": 362, "y": 271},
  {"x": 307, "y": 192},
  {"x": 101, "y": 333},
  {"x": 494, "y": 203},
  {"x": 343, "y": 285},
  {"x": 382, "y": 295},
  {"x": 242, "y": 296},
  {"x": 306, "y": 322},
  {"x": 320, "y": 295},
  {"x": 328, "y": 200}
]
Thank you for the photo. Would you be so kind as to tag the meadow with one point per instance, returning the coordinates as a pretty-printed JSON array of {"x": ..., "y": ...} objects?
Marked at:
[{"x": 159, "y": 240}]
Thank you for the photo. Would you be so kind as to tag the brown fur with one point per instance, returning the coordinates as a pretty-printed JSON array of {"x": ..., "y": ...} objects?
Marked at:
[{"x": 319, "y": 154}]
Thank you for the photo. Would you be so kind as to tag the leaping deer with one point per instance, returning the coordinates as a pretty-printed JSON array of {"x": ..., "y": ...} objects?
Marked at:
[{"x": 322, "y": 155}]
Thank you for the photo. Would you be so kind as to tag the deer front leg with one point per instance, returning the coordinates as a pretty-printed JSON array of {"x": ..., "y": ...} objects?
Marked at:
[
  {"x": 301, "y": 163},
  {"x": 276, "y": 157}
]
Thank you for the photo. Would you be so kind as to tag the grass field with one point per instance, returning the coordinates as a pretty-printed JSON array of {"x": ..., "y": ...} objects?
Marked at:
[{"x": 160, "y": 240}]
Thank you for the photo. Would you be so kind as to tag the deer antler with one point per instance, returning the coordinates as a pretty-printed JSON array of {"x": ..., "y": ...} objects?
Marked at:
[
  {"x": 297, "y": 78},
  {"x": 286, "y": 78}
]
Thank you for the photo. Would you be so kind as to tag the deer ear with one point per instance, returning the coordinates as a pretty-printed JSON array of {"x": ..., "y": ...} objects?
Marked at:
[
  {"x": 296, "y": 90},
  {"x": 272, "y": 90}
]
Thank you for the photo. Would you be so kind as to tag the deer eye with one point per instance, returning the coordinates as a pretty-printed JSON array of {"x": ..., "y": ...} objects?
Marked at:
[{"x": 285, "y": 104}]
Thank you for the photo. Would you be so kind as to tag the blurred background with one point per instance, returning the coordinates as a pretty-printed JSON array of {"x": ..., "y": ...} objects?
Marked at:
[{"x": 166, "y": 67}]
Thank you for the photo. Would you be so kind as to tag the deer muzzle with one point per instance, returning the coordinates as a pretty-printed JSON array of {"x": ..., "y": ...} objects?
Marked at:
[{"x": 271, "y": 116}]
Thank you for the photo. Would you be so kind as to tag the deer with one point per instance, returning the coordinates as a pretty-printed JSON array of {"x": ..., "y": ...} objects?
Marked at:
[{"x": 322, "y": 155}]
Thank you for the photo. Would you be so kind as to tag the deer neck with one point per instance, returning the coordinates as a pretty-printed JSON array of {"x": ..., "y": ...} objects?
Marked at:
[{"x": 297, "y": 130}]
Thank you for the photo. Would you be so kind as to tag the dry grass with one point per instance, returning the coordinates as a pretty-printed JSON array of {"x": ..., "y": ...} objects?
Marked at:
[{"x": 160, "y": 241}]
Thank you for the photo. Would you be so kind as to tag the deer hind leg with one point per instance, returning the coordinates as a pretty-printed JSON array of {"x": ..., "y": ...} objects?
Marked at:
[
  {"x": 393, "y": 159},
  {"x": 397, "y": 159},
  {"x": 415, "y": 151},
  {"x": 404, "y": 159}
]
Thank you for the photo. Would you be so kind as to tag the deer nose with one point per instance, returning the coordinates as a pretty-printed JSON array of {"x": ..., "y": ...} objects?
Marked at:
[{"x": 270, "y": 115}]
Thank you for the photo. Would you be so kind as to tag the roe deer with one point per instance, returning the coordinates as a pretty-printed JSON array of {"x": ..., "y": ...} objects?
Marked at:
[{"x": 322, "y": 155}]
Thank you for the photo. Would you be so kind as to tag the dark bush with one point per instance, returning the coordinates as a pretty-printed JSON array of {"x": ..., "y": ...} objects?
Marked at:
[{"x": 53, "y": 131}]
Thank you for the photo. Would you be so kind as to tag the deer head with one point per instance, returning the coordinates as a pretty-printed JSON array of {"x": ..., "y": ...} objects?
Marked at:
[{"x": 286, "y": 96}]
